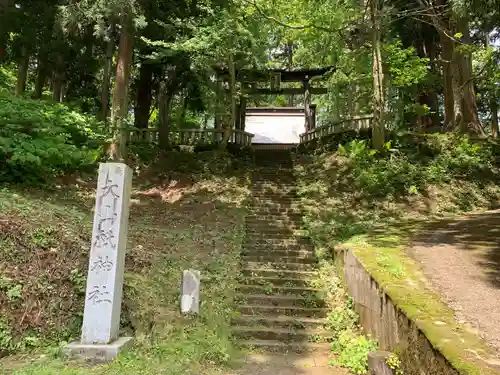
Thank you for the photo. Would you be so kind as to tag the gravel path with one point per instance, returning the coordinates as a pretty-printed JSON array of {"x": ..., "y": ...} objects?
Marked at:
[{"x": 461, "y": 259}]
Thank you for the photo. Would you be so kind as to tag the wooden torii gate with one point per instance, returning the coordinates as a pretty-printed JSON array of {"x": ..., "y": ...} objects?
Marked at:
[{"x": 249, "y": 78}]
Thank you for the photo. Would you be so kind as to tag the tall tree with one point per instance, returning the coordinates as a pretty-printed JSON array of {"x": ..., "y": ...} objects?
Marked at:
[
  {"x": 119, "y": 109},
  {"x": 378, "y": 137}
]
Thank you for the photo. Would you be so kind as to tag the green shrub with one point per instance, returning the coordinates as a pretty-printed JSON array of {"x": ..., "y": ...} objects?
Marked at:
[
  {"x": 352, "y": 350},
  {"x": 340, "y": 319},
  {"x": 6, "y": 340},
  {"x": 40, "y": 140},
  {"x": 411, "y": 165}
]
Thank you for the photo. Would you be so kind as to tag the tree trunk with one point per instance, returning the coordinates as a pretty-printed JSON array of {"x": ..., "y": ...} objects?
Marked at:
[
  {"x": 447, "y": 57},
  {"x": 58, "y": 79},
  {"x": 470, "y": 122},
  {"x": 4, "y": 27},
  {"x": 378, "y": 126},
  {"x": 143, "y": 96},
  {"x": 181, "y": 109},
  {"x": 290, "y": 67},
  {"x": 457, "y": 92},
  {"x": 432, "y": 91},
  {"x": 119, "y": 108},
  {"x": 41, "y": 77},
  {"x": 494, "y": 117},
  {"x": 425, "y": 44},
  {"x": 22, "y": 71},
  {"x": 232, "y": 92},
  {"x": 106, "y": 79},
  {"x": 218, "y": 101},
  {"x": 164, "y": 107}
]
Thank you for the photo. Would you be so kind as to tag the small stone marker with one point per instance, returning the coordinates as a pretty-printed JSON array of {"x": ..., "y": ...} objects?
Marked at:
[
  {"x": 101, "y": 318},
  {"x": 190, "y": 297}
]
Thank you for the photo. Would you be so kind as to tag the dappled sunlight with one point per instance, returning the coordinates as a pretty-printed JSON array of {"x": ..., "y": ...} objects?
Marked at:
[{"x": 477, "y": 235}]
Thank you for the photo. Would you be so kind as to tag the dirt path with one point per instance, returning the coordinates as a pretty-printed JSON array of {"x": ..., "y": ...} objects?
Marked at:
[
  {"x": 288, "y": 364},
  {"x": 461, "y": 258}
]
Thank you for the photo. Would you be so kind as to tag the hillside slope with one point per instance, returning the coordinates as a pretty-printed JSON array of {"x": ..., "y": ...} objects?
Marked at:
[{"x": 190, "y": 217}]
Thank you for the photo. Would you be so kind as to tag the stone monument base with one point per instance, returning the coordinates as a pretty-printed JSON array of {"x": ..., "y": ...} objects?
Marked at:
[{"x": 97, "y": 353}]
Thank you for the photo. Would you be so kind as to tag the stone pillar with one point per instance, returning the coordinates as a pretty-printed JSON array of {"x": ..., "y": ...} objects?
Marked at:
[
  {"x": 190, "y": 296},
  {"x": 101, "y": 318}
]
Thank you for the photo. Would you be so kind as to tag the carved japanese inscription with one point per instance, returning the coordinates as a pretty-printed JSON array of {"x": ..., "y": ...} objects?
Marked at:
[{"x": 107, "y": 255}]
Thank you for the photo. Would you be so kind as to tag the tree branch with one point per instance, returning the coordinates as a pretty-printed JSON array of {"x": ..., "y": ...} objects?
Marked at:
[{"x": 293, "y": 27}]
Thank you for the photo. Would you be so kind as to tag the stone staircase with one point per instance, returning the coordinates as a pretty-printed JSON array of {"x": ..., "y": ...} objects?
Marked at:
[{"x": 279, "y": 309}]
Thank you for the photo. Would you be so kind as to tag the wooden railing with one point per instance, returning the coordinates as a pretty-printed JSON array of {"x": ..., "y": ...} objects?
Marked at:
[
  {"x": 190, "y": 137},
  {"x": 356, "y": 123},
  {"x": 209, "y": 136}
]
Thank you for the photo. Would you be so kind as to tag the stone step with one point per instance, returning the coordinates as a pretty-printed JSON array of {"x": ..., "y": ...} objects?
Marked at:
[
  {"x": 250, "y": 248},
  {"x": 270, "y": 170},
  {"x": 261, "y": 228},
  {"x": 276, "y": 281},
  {"x": 273, "y": 241},
  {"x": 295, "y": 237},
  {"x": 280, "y": 334},
  {"x": 293, "y": 217},
  {"x": 271, "y": 227},
  {"x": 272, "y": 211},
  {"x": 274, "y": 183},
  {"x": 281, "y": 347},
  {"x": 261, "y": 310},
  {"x": 267, "y": 199},
  {"x": 305, "y": 292},
  {"x": 284, "y": 274},
  {"x": 258, "y": 204},
  {"x": 257, "y": 242},
  {"x": 265, "y": 196},
  {"x": 269, "y": 190},
  {"x": 281, "y": 224},
  {"x": 295, "y": 322},
  {"x": 277, "y": 257},
  {"x": 274, "y": 205},
  {"x": 301, "y": 253},
  {"x": 279, "y": 266},
  {"x": 275, "y": 221},
  {"x": 279, "y": 301}
]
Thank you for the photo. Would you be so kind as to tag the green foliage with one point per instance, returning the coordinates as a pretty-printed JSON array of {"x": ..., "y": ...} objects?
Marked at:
[
  {"x": 39, "y": 140},
  {"x": 349, "y": 345},
  {"x": 353, "y": 351},
  {"x": 11, "y": 289},
  {"x": 395, "y": 364},
  {"x": 6, "y": 340},
  {"x": 7, "y": 77},
  {"x": 79, "y": 279},
  {"x": 357, "y": 150},
  {"x": 405, "y": 67},
  {"x": 411, "y": 165},
  {"x": 341, "y": 318}
]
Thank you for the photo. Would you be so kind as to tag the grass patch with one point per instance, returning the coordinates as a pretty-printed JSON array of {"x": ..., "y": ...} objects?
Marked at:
[{"x": 177, "y": 222}]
